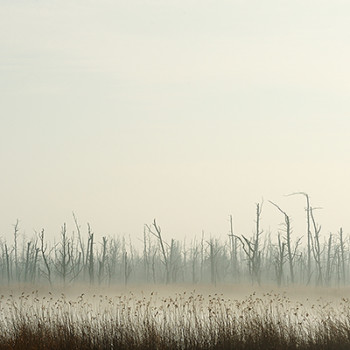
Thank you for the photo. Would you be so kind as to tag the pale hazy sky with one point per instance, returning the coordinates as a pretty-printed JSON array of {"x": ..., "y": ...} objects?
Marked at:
[{"x": 184, "y": 111}]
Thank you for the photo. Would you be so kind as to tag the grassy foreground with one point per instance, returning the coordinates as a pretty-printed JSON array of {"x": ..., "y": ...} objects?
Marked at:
[{"x": 187, "y": 320}]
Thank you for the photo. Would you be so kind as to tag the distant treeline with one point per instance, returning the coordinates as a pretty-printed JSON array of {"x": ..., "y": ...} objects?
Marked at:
[{"x": 78, "y": 257}]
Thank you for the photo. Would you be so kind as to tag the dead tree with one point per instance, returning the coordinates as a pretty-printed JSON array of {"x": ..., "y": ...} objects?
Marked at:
[
  {"x": 15, "y": 238},
  {"x": 127, "y": 268},
  {"x": 154, "y": 266},
  {"x": 34, "y": 270},
  {"x": 233, "y": 250},
  {"x": 7, "y": 264},
  {"x": 329, "y": 261},
  {"x": 150, "y": 253},
  {"x": 31, "y": 260},
  {"x": 66, "y": 262},
  {"x": 291, "y": 253},
  {"x": 316, "y": 248},
  {"x": 214, "y": 251},
  {"x": 342, "y": 255},
  {"x": 280, "y": 258},
  {"x": 176, "y": 258},
  {"x": 63, "y": 257},
  {"x": 91, "y": 254},
  {"x": 26, "y": 268},
  {"x": 146, "y": 256},
  {"x": 193, "y": 259},
  {"x": 113, "y": 259},
  {"x": 43, "y": 248},
  {"x": 158, "y": 234},
  {"x": 308, "y": 232},
  {"x": 102, "y": 260},
  {"x": 251, "y": 248},
  {"x": 81, "y": 244},
  {"x": 184, "y": 262},
  {"x": 202, "y": 255}
]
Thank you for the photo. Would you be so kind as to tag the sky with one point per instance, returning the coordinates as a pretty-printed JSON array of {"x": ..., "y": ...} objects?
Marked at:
[{"x": 183, "y": 111}]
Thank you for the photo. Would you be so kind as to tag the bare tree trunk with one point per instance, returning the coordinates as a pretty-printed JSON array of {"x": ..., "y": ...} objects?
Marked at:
[
  {"x": 256, "y": 257},
  {"x": 212, "y": 262},
  {"x": 145, "y": 255},
  {"x": 202, "y": 255},
  {"x": 80, "y": 239},
  {"x": 290, "y": 251},
  {"x": 308, "y": 232},
  {"x": 328, "y": 270},
  {"x": 127, "y": 268},
  {"x": 34, "y": 265},
  {"x": 252, "y": 248},
  {"x": 154, "y": 267},
  {"x": 280, "y": 259},
  {"x": 194, "y": 262},
  {"x": 316, "y": 249},
  {"x": 102, "y": 262},
  {"x": 15, "y": 233},
  {"x": 27, "y": 262},
  {"x": 233, "y": 253},
  {"x": 342, "y": 255},
  {"x": 64, "y": 253},
  {"x": 91, "y": 255},
  {"x": 171, "y": 277},
  {"x": 43, "y": 250},
  {"x": 7, "y": 264},
  {"x": 161, "y": 242}
]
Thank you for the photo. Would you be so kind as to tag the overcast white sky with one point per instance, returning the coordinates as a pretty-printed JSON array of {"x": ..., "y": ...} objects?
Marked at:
[{"x": 184, "y": 111}]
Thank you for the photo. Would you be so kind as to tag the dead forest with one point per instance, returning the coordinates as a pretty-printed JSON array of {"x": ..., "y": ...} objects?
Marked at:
[{"x": 76, "y": 256}]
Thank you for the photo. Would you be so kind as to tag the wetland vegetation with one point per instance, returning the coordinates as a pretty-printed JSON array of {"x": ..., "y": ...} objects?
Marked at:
[
  {"x": 203, "y": 293},
  {"x": 168, "y": 319}
]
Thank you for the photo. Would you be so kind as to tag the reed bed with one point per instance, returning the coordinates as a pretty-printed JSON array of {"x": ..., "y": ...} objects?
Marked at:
[{"x": 187, "y": 320}]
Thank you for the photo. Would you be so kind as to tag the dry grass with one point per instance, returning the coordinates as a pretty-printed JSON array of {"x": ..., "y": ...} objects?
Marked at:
[{"x": 186, "y": 320}]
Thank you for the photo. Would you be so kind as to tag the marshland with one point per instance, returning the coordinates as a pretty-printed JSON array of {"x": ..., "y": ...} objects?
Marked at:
[
  {"x": 174, "y": 317},
  {"x": 243, "y": 292},
  {"x": 160, "y": 124}
]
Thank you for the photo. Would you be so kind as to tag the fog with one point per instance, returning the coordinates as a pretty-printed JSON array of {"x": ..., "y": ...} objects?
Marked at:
[{"x": 174, "y": 174}]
